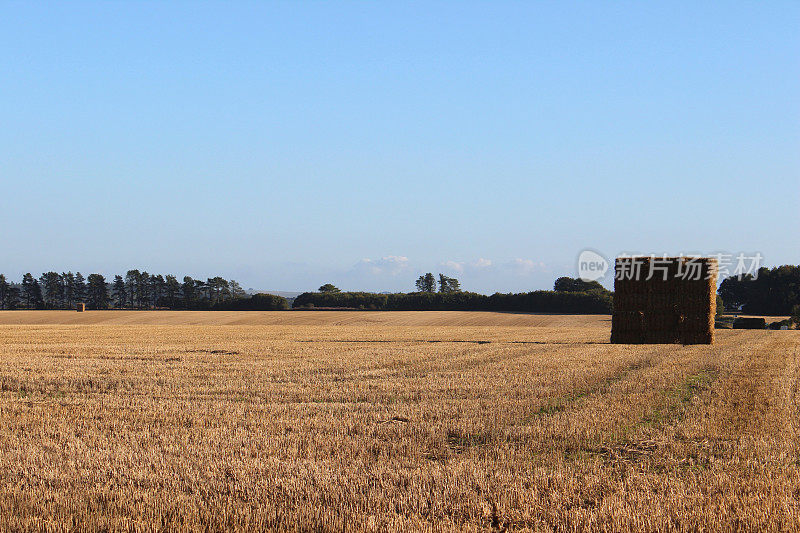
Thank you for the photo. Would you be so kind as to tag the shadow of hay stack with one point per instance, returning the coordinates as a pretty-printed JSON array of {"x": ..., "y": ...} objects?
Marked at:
[{"x": 676, "y": 305}]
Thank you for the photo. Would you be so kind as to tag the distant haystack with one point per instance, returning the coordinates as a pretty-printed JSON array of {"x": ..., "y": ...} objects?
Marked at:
[
  {"x": 80, "y": 307},
  {"x": 750, "y": 323},
  {"x": 664, "y": 300}
]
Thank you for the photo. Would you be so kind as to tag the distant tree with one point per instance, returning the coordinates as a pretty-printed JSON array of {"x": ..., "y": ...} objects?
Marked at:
[
  {"x": 448, "y": 284},
  {"x": 97, "y": 292},
  {"x": 189, "y": 295},
  {"x": 51, "y": 289},
  {"x": 4, "y": 289},
  {"x": 132, "y": 286},
  {"x": 225, "y": 294},
  {"x": 80, "y": 288},
  {"x": 218, "y": 289},
  {"x": 119, "y": 291},
  {"x": 36, "y": 291},
  {"x": 426, "y": 283},
  {"x": 237, "y": 292},
  {"x": 68, "y": 281},
  {"x": 720, "y": 306},
  {"x": 769, "y": 291},
  {"x": 567, "y": 284},
  {"x": 172, "y": 288},
  {"x": 27, "y": 289},
  {"x": 12, "y": 298},
  {"x": 36, "y": 295},
  {"x": 45, "y": 299},
  {"x": 796, "y": 316},
  {"x": 143, "y": 290},
  {"x": 329, "y": 287},
  {"x": 32, "y": 292},
  {"x": 737, "y": 291},
  {"x": 157, "y": 289},
  {"x": 200, "y": 291},
  {"x": 211, "y": 288}
]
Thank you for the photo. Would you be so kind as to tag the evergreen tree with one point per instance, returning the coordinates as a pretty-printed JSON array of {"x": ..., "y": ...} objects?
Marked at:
[
  {"x": 171, "y": 288},
  {"x": 52, "y": 290},
  {"x": 27, "y": 289},
  {"x": 68, "y": 281},
  {"x": 97, "y": 292},
  {"x": 448, "y": 284},
  {"x": 4, "y": 292},
  {"x": 237, "y": 292},
  {"x": 329, "y": 287},
  {"x": 157, "y": 286},
  {"x": 218, "y": 289},
  {"x": 12, "y": 297},
  {"x": 131, "y": 285},
  {"x": 80, "y": 288},
  {"x": 200, "y": 291},
  {"x": 189, "y": 295},
  {"x": 36, "y": 293},
  {"x": 143, "y": 290},
  {"x": 32, "y": 292},
  {"x": 120, "y": 292},
  {"x": 426, "y": 283}
]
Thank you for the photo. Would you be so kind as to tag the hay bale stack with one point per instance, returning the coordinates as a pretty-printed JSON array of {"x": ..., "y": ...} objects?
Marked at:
[
  {"x": 749, "y": 323},
  {"x": 81, "y": 307},
  {"x": 676, "y": 304}
]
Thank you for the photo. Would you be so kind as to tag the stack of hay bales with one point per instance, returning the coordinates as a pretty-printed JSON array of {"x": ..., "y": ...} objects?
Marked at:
[
  {"x": 676, "y": 305},
  {"x": 81, "y": 307},
  {"x": 749, "y": 323}
]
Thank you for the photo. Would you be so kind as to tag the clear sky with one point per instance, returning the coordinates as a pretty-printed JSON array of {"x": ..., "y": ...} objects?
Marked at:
[{"x": 289, "y": 144}]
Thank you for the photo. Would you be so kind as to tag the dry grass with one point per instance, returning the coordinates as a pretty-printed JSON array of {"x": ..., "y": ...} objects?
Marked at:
[
  {"x": 410, "y": 422},
  {"x": 300, "y": 318}
]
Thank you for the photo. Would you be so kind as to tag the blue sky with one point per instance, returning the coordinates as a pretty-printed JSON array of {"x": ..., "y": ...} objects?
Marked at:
[{"x": 290, "y": 144}]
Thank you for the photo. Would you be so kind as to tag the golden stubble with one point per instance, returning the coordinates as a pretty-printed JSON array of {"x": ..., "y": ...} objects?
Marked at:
[{"x": 398, "y": 421}]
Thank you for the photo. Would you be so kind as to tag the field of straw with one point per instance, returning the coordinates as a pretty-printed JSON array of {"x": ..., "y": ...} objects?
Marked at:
[{"x": 390, "y": 421}]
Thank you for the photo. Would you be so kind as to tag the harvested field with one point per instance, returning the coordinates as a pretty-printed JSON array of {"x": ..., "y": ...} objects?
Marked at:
[
  {"x": 302, "y": 318},
  {"x": 398, "y": 421}
]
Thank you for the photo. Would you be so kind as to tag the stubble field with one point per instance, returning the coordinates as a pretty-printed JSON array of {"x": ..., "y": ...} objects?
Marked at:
[{"x": 390, "y": 421}]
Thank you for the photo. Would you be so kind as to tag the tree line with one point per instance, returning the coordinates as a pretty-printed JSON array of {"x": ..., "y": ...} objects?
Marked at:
[
  {"x": 774, "y": 291},
  {"x": 136, "y": 290},
  {"x": 569, "y": 296}
]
